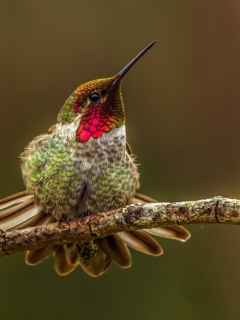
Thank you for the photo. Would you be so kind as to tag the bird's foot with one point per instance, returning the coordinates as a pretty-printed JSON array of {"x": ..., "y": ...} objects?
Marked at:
[
  {"x": 85, "y": 213},
  {"x": 64, "y": 218}
]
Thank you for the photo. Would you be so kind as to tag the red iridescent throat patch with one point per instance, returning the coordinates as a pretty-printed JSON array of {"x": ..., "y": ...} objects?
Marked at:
[{"x": 94, "y": 124}]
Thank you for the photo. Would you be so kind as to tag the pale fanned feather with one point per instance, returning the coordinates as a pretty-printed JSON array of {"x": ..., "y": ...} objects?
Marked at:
[
  {"x": 141, "y": 198},
  {"x": 175, "y": 233},
  {"x": 19, "y": 211},
  {"x": 36, "y": 256},
  {"x": 72, "y": 256},
  {"x": 140, "y": 241},
  {"x": 13, "y": 196},
  {"x": 61, "y": 265},
  {"x": 11, "y": 205},
  {"x": 43, "y": 220},
  {"x": 21, "y": 219},
  {"x": 116, "y": 250},
  {"x": 97, "y": 265}
]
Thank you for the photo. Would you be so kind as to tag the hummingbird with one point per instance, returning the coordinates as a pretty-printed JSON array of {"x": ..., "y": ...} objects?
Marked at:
[{"x": 84, "y": 165}]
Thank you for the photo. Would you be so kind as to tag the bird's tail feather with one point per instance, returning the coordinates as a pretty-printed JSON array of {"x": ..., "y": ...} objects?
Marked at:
[{"x": 19, "y": 211}]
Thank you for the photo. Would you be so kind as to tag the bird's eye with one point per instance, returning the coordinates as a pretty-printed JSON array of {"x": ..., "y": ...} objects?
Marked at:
[{"x": 94, "y": 97}]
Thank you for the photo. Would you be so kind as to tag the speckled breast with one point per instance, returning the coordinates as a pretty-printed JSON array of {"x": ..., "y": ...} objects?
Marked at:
[{"x": 69, "y": 177}]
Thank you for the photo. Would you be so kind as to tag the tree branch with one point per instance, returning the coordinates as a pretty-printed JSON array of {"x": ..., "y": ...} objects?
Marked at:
[{"x": 138, "y": 216}]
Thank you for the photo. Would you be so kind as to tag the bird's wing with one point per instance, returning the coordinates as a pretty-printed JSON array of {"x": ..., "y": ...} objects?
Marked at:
[{"x": 19, "y": 211}]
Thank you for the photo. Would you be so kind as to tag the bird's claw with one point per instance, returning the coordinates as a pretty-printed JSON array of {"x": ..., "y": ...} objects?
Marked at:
[{"x": 64, "y": 218}]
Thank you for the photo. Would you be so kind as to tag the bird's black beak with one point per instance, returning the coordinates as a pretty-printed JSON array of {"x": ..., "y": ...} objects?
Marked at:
[{"x": 122, "y": 73}]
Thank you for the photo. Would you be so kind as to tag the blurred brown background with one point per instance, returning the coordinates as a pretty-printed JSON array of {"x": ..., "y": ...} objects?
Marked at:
[{"x": 183, "y": 109}]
